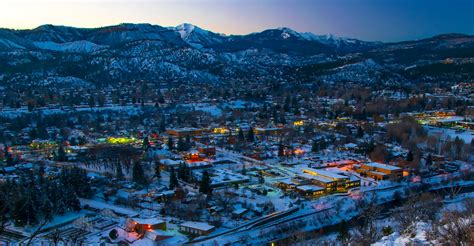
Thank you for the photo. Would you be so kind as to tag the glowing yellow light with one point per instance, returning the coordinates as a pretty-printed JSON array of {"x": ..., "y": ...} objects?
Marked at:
[
  {"x": 299, "y": 151},
  {"x": 298, "y": 123},
  {"x": 220, "y": 130},
  {"x": 120, "y": 140}
]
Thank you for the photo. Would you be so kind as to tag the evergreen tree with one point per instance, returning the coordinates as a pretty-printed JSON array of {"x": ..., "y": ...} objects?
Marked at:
[
  {"x": 250, "y": 135},
  {"x": 77, "y": 179},
  {"x": 157, "y": 169},
  {"x": 7, "y": 156},
  {"x": 138, "y": 175},
  {"x": 261, "y": 179},
  {"x": 70, "y": 200},
  {"x": 343, "y": 232},
  {"x": 33, "y": 199},
  {"x": 188, "y": 142},
  {"x": 409, "y": 156},
  {"x": 119, "y": 173},
  {"x": 91, "y": 101},
  {"x": 146, "y": 143},
  {"x": 19, "y": 215},
  {"x": 181, "y": 144},
  {"x": 360, "y": 132},
  {"x": 286, "y": 106},
  {"x": 281, "y": 149},
  {"x": 41, "y": 131},
  {"x": 163, "y": 124},
  {"x": 275, "y": 115},
  {"x": 173, "y": 180},
  {"x": 170, "y": 143},
  {"x": 181, "y": 171},
  {"x": 184, "y": 173},
  {"x": 315, "y": 146},
  {"x": 429, "y": 160},
  {"x": 296, "y": 111},
  {"x": 241, "y": 136},
  {"x": 40, "y": 175},
  {"x": 33, "y": 133},
  {"x": 31, "y": 106},
  {"x": 101, "y": 100},
  {"x": 61, "y": 154},
  {"x": 205, "y": 184}
]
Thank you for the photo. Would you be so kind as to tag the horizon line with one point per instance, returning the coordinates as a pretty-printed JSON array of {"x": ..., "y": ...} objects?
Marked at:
[{"x": 232, "y": 34}]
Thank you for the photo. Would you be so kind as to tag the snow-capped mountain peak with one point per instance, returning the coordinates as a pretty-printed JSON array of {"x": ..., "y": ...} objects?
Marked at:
[
  {"x": 185, "y": 30},
  {"x": 288, "y": 32},
  {"x": 196, "y": 36}
]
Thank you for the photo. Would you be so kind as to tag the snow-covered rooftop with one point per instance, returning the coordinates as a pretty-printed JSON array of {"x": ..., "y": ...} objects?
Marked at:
[
  {"x": 383, "y": 166},
  {"x": 324, "y": 173},
  {"x": 198, "y": 225},
  {"x": 309, "y": 188}
]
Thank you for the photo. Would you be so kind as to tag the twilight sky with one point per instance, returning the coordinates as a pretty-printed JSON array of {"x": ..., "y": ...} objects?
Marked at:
[{"x": 382, "y": 20}]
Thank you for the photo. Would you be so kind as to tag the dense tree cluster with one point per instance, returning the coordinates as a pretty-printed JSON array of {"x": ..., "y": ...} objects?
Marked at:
[
  {"x": 34, "y": 198},
  {"x": 205, "y": 184}
]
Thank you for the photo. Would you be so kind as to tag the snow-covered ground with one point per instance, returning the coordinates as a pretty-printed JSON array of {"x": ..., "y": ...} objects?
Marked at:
[{"x": 451, "y": 134}]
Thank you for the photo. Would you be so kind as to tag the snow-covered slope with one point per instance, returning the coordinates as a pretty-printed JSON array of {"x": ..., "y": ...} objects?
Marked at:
[
  {"x": 68, "y": 81},
  {"x": 126, "y": 33},
  {"x": 57, "y": 34},
  {"x": 82, "y": 46},
  {"x": 7, "y": 44}
]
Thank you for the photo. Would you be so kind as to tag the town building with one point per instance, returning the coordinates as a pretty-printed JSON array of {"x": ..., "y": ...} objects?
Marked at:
[
  {"x": 196, "y": 228},
  {"x": 379, "y": 171}
]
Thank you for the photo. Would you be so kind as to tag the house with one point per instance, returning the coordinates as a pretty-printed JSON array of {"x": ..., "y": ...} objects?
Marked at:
[
  {"x": 239, "y": 211},
  {"x": 223, "y": 177},
  {"x": 141, "y": 226},
  {"x": 196, "y": 228},
  {"x": 207, "y": 151},
  {"x": 158, "y": 235},
  {"x": 170, "y": 163},
  {"x": 164, "y": 196},
  {"x": 267, "y": 131},
  {"x": 184, "y": 132}
]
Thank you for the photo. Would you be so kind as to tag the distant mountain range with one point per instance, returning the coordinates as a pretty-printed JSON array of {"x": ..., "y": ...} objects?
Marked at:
[
  {"x": 71, "y": 39},
  {"x": 192, "y": 54}
]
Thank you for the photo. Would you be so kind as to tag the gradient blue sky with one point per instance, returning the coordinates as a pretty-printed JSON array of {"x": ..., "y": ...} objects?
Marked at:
[{"x": 382, "y": 20}]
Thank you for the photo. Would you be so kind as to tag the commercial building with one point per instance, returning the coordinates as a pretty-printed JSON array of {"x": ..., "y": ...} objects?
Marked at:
[
  {"x": 379, "y": 171},
  {"x": 315, "y": 182}
]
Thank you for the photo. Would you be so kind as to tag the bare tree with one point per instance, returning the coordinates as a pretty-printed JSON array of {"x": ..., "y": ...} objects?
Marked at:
[
  {"x": 4, "y": 219},
  {"x": 367, "y": 231},
  {"x": 38, "y": 230},
  {"x": 55, "y": 236},
  {"x": 223, "y": 200},
  {"x": 418, "y": 208},
  {"x": 454, "y": 229}
]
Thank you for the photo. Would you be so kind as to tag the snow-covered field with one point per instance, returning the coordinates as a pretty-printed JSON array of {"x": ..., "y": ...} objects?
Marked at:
[{"x": 467, "y": 136}]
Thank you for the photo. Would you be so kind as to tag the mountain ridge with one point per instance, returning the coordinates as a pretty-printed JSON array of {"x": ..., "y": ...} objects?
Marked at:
[
  {"x": 281, "y": 39},
  {"x": 190, "y": 34},
  {"x": 189, "y": 54}
]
